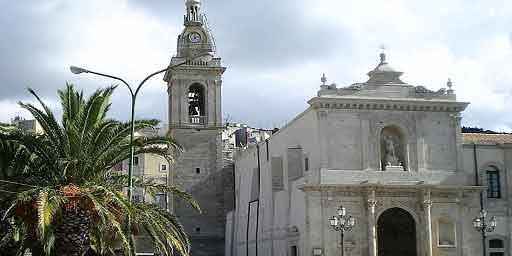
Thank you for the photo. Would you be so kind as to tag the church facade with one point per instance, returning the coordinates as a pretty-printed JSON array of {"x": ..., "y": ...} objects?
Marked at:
[
  {"x": 391, "y": 153},
  {"x": 394, "y": 156}
]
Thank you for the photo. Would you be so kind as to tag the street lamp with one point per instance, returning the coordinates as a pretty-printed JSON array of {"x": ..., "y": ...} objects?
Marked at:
[
  {"x": 342, "y": 223},
  {"x": 78, "y": 70},
  {"x": 483, "y": 225}
]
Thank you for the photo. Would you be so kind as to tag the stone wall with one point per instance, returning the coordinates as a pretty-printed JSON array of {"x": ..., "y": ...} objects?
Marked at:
[{"x": 200, "y": 170}]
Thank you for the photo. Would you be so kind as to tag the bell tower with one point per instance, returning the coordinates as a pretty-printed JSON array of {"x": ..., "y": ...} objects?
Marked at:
[
  {"x": 195, "y": 122},
  {"x": 195, "y": 88}
]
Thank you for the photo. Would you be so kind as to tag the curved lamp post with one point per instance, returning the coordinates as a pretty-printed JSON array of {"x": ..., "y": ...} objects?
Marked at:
[
  {"x": 484, "y": 225},
  {"x": 133, "y": 93},
  {"x": 342, "y": 223}
]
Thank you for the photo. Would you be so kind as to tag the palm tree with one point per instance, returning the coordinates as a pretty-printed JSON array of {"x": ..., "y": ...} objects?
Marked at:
[{"x": 66, "y": 199}]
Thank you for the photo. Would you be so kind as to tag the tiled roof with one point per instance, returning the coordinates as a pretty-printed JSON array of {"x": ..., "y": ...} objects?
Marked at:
[{"x": 483, "y": 138}]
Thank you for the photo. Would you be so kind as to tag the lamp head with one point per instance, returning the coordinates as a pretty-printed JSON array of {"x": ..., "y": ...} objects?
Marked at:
[
  {"x": 342, "y": 211},
  {"x": 351, "y": 221},
  {"x": 477, "y": 223},
  {"x": 493, "y": 223},
  {"x": 77, "y": 70},
  {"x": 333, "y": 221}
]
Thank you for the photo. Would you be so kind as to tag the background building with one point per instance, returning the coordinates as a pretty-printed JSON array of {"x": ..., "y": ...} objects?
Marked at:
[
  {"x": 236, "y": 136},
  {"x": 30, "y": 125},
  {"x": 149, "y": 167},
  {"x": 394, "y": 155}
]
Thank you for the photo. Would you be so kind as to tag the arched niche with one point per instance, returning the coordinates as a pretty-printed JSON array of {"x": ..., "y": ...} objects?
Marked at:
[
  {"x": 446, "y": 232},
  {"x": 393, "y": 149}
]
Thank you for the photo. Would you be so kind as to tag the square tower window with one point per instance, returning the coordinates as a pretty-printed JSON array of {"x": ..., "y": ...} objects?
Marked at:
[
  {"x": 198, "y": 170},
  {"x": 294, "y": 251}
]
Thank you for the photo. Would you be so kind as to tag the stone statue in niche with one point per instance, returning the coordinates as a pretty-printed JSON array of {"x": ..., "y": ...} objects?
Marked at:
[
  {"x": 393, "y": 149},
  {"x": 390, "y": 152}
]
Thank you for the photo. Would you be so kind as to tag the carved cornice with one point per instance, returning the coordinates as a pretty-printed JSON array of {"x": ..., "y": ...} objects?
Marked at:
[
  {"x": 383, "y": 189},
  {"x": 388, "y": 104},
  {"x": 188, "y": 71}
]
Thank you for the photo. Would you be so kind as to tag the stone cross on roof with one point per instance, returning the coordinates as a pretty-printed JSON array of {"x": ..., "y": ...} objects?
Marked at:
[
  {"x": 384, "y": 74},
  {"x": 323, "y": 79}
]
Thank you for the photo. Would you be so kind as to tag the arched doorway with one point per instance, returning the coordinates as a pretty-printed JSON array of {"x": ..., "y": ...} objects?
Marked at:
[{"x": 396, "y": 233}]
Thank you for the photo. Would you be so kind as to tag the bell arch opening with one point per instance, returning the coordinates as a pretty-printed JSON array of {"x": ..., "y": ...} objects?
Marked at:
[
  {"x": 396, "y": 233},
  {"x": 196, "y": 104}
]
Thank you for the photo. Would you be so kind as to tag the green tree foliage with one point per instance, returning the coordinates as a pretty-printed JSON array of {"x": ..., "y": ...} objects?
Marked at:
[{"x": 61, "y": 196}]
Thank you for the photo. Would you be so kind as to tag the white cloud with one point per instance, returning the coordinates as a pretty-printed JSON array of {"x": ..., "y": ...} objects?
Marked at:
[
  {"x": 121, "y": 40},
  {"x": 10, "y": 109},
  {"x": 430, "y": 41}
]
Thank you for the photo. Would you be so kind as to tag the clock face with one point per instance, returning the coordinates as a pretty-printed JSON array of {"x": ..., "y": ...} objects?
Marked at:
[{"x": 194, "y": 37}]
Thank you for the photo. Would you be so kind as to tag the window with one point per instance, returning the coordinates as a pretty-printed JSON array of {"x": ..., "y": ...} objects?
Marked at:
[
  {"x": 294, "y": 251},
  {"x": 164, "y": 167},
  {"x": 306, "y": 164},
  {"x": 198, "y": 170},
  {"x": 496, "y": 247},
  {"x": 496, "y": 243},
  {"x": 136, "y": 160},
  {"x": 295, "y": 161},
  {"x": 277, "y": 173},
  {"x": 493, "y": 183},
  {"x": 137, "y": 198},
  {"x": 198, "y": 230},
  {"x": 161, "y": 200}
]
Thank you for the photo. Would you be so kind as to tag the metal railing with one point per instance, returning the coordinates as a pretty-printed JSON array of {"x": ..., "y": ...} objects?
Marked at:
[{"x": 197, "y": 120}]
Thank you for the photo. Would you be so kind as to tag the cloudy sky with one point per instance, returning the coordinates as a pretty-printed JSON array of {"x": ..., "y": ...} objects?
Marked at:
[{"x": 275, "y": 51}]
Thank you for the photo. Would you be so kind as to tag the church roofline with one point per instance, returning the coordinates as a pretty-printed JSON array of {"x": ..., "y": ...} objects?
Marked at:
[
  {"x": 396, "y": 104},
  {"x": 486, "y": 139}
]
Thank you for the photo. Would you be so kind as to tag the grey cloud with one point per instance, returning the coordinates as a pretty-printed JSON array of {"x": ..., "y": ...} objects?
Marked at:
[{"x": 253, "y": 38}]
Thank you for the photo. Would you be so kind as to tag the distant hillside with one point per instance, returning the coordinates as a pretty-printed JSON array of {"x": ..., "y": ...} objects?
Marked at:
[{"x": 480, "y": 130}]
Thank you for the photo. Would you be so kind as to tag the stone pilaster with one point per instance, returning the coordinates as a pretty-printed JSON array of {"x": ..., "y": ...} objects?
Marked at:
[
  {"x": 372, "y": 229},
  {"x": 427, "y": 206}
]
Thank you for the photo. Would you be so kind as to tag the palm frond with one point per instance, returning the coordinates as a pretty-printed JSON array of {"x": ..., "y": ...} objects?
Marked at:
[{"x": 77, "y": 156}]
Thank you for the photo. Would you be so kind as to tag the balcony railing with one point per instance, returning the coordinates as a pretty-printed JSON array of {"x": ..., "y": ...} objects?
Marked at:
[{"x": 199, "y": 120}]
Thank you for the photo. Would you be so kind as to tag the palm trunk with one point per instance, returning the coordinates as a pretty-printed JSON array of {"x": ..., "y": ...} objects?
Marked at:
[{"x": 72, "y": 232}]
